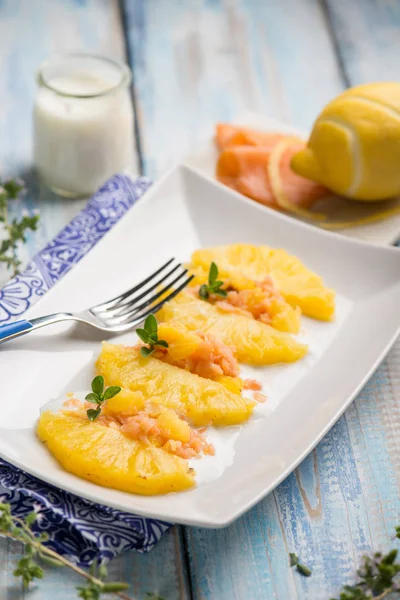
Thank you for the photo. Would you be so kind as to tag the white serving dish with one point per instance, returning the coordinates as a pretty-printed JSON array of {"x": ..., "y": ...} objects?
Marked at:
[
  {"x": 382, "y": 232},
  {"x": 182, "y": 212}
]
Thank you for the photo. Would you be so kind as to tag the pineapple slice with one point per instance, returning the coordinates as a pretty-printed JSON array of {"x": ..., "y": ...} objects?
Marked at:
[
  {"x": 297, "y": 284},
  {"x": 105, "y": 456},
  {"x": 202, "y": 401},
  {"x": 255, "y": 343}
]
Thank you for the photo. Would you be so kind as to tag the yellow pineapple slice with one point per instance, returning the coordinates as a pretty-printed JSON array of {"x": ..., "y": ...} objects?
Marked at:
[
  {"x": 298, "y": 285},
  {"x": 202, "y": 401},
  {"x": 107, "y": 457},
  {"x": 255, "y": 342}
]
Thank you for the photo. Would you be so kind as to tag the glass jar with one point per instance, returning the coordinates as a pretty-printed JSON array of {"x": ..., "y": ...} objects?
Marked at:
[{"x": 83, "y": 123}]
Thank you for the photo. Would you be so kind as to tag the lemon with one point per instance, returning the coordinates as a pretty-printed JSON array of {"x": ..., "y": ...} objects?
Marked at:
[{"x": 354, "y": 147}]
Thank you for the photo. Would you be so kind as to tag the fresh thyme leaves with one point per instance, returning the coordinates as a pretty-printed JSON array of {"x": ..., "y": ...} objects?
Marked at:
[
  {"x": 213, "y": 286},
  {"x": 378, "y": 577},
  {"x": 29, "y": 567},
  {"x": 294, "y": 560},
  {"x": 15, "y": 229},
  {"x": 302, "y": 569},
  {"x": 149, "y": 335},
  {"x": 97, "y": 396}
]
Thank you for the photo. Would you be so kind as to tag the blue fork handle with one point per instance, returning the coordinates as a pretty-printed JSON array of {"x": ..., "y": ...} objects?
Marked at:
[{"x": 13, "y": 329}]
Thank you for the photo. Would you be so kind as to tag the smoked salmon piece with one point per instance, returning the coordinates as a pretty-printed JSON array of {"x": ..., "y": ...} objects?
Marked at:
[
  {"x": 244, "y": 169},
  {"x": 227, "y": 135},
  {"x": 291, "y": 190}
]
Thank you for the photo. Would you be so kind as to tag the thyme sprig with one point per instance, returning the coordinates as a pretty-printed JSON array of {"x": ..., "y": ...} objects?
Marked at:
[
  {"x": 379, "y": 577},
  {"x": 213, "y": 286},
  {"x": 15, "y": 229},
  {"x": 98, "y": 396},
  {"x": 36, "y": 555},
  {"x": 149, "y": 335}
]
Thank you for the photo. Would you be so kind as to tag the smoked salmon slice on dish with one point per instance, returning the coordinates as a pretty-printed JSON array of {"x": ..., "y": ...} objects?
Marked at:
[
  {"x": 257, "y": 165},
  {"x": 244, "y": 169},
  {"x": 227, "y": 135}
]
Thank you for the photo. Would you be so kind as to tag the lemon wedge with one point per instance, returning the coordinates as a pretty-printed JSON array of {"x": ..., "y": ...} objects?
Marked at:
[{"x": 354, "y": 147}]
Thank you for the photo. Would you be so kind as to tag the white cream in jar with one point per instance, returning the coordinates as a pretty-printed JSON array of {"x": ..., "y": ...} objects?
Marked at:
[{"x": 83, "y": 123}]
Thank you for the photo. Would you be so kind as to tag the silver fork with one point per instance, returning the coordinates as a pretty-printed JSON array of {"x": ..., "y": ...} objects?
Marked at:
[{"x": 121, "y": 313}]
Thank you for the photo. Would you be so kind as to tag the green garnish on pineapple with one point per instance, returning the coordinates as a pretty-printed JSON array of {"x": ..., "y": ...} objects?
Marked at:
[
  {"x": 98, "y": 395},
  {"x": 149, "y": 335},
  {"x": 213, "y": 286}
]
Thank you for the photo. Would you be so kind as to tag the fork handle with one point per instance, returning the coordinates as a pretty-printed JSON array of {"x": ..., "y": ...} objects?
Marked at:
[{"x": 19, "y": 328}]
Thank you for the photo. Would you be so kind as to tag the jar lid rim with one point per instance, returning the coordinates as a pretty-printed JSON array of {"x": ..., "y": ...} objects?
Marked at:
[{"x": 124, "y": 81}]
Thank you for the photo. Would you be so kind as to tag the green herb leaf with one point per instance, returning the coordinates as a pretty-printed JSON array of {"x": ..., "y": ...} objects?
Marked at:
[
  {"x": 145, "y": 352},
  {"x": 98, "y": 385},
  {"x": 293, "y": 559},
  {"x": 143, "y": 335},
  {"x": 93, "y": 413},
  {"x": 203, "y": 292},
  {"x": 222, "y": 293},
  {"x": 303, "y": 570},
  {"x": 150, "y": 326},
  {"x": 213, "y": 274},
  {"x": 111, "y": 392},
  {"x": 93, "y": 398},
  {"x": 162, "y": 343},
  {"x": 214, "y": 286},
  {"x": 102, "y": 572},
  {"x": 30, "y": 519},
  {"x": 98, "y": 397},
  {"x": 149, "y": 335}
]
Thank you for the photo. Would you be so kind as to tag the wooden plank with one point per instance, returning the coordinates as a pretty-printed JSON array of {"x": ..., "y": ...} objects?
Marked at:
[
  {"x": 199, "y": 62},
  {"x": 368, "y": 38},
  {"x": 30, "y": 32},
  {"x": 342, "y": 502}
]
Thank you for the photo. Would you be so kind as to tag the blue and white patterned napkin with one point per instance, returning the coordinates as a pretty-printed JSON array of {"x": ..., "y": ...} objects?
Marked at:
[{"x": 79, "y": 529}]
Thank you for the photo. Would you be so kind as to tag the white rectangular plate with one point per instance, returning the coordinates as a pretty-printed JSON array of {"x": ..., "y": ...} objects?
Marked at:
[
  {"x": 382, "y": 232},
  {"x": 182, "y": 212}
]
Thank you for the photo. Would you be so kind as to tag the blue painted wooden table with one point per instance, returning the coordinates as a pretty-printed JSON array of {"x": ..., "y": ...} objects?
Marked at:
[{"x": 196, "y": 62}]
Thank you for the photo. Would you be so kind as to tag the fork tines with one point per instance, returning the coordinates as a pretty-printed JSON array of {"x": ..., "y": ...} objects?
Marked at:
[{"x": 145, "y": 297}]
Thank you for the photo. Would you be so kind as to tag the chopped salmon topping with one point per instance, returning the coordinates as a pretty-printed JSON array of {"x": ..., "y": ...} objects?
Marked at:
[
  {"x": 259, "y": 397},
  {"x": 255, "y": 303},
  {"x": 252, "y": 384},
  {"x": 150, "y": 426},
  {"x": 211, "y": 359},
  {"x": 72, "y": 402}
]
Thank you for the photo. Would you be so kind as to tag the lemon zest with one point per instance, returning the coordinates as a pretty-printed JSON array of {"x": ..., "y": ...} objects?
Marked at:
[{"x": 277, "y": 188}]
